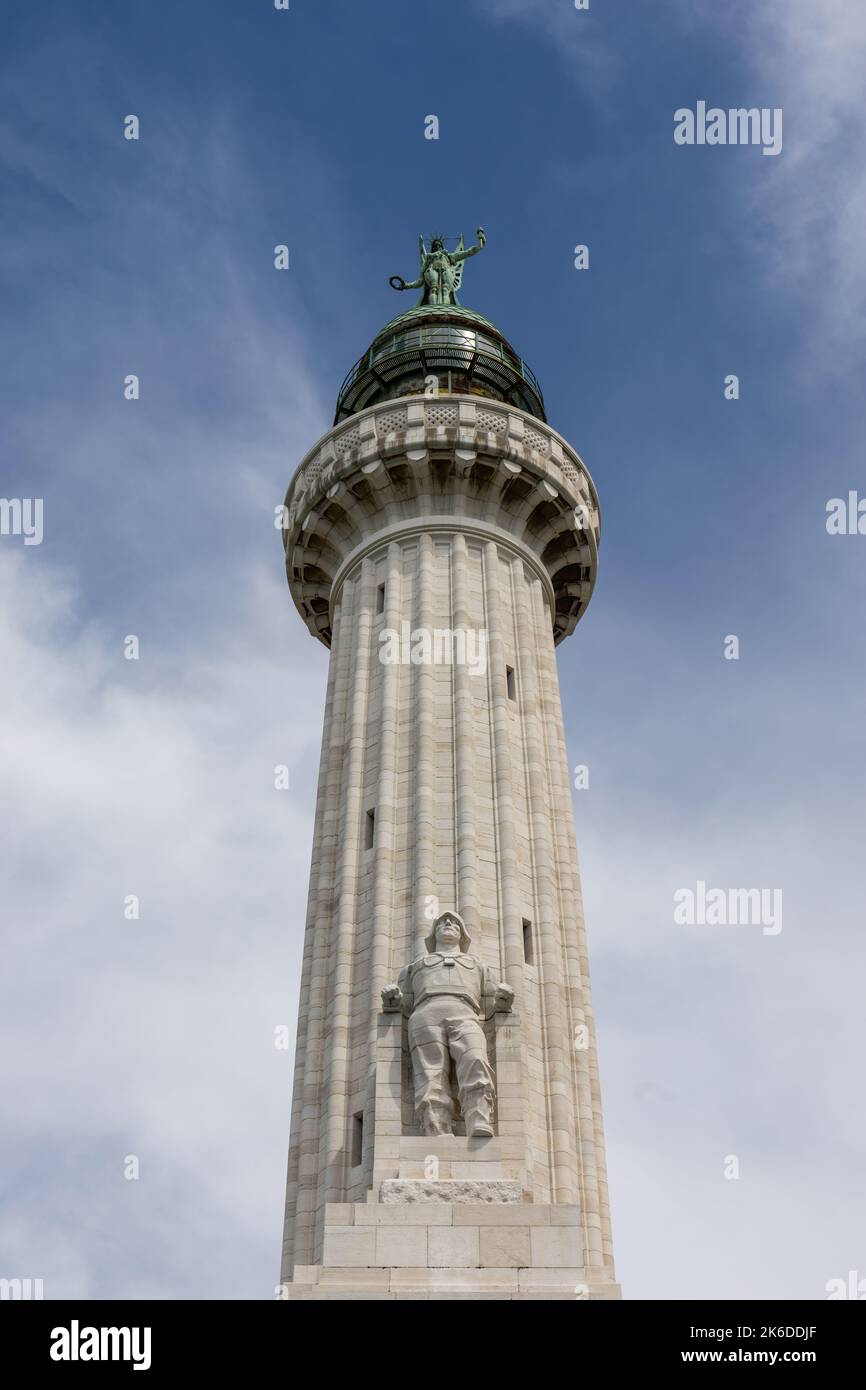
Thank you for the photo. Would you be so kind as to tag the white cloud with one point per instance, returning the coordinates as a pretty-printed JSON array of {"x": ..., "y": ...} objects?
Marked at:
[
  {"x": 580, "y": 41},
  {"x": 804, "y": 211},
  {"x": 150, "y": 1037},
  {"x": 811, "y": 61},
  {"x": 721, "y": 1040}
]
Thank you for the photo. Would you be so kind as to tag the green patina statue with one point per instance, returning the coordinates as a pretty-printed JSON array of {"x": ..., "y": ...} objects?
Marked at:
[{"x": 441, "y": 270}]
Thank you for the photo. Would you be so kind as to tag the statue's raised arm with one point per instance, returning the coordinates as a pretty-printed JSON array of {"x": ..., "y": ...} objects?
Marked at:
[{"x": 464, "y": 252}]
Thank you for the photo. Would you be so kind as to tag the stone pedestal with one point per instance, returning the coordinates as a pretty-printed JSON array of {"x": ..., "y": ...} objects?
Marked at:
[{"x": 438, "y": 1249}]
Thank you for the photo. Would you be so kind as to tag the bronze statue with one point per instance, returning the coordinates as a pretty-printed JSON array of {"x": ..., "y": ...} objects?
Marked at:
[{"x": 441, "y": 269}]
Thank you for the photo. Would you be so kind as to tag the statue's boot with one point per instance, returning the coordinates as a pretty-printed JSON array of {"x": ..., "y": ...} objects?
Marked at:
[
  {"x": 433, "y": 1117},
  {"x": 478, "y": 1114}
]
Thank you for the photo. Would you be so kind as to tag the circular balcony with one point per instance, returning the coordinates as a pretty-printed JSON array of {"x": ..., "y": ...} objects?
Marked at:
[
  {"x": 447, "y": 464},
  {"x": 467, "y": 359}
]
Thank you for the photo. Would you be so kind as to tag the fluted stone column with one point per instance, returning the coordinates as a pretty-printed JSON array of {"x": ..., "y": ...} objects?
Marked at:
[
  {"x": 464, "y": 742},
  {"x": 425, "y": 882}
]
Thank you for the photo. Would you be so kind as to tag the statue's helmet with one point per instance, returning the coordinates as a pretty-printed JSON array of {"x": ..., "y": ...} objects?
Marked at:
[{"x": 465, "y": 938}]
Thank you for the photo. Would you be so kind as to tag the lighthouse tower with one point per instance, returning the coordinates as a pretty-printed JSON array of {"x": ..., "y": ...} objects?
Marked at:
[{"x": 441, "y": 539}]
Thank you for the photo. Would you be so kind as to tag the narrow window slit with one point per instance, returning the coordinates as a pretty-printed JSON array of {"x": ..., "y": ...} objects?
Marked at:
[{"x": 357, "y": 1139}]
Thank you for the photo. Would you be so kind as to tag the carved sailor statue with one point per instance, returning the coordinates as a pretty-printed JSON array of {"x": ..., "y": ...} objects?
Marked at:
[{"x": 446, "y": 994}]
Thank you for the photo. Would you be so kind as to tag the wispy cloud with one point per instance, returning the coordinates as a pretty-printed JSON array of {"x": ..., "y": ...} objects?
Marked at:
[
  {"x": 580, "y": 39},
  {"x": 154, "y": 778},
  {"x": 813, "y": 61},
  {"x": 155, "y": 1036},
  {"x": 718, "y": 1041}
]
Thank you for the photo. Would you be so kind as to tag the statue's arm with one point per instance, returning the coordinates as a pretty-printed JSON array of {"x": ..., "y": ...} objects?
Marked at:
[
  {"x": 405, "y": 983},
  {"x": 422, "y": 260},
  {"x": 471, "y": 250},
  {"x": 398, "y": 283}
]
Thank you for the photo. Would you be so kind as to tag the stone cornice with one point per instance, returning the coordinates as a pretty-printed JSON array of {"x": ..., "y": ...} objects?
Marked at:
[{"x": 467, "y": 461}]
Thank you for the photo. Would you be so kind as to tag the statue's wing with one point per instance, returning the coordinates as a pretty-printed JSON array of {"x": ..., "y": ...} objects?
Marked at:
[
  {"x": 422, "y": 252},
  {"x": 458, "y": 268}
]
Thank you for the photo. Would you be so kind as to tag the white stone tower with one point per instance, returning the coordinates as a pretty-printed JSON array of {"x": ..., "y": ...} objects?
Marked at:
[{"x": 441, "y": 539}]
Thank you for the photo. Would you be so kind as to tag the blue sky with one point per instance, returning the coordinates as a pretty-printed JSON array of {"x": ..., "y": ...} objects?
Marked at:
[{"x": 154, "y": 1037}]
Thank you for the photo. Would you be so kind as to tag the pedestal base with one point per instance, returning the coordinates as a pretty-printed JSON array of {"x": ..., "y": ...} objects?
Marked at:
[{"x": 462, "y": 1250}]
